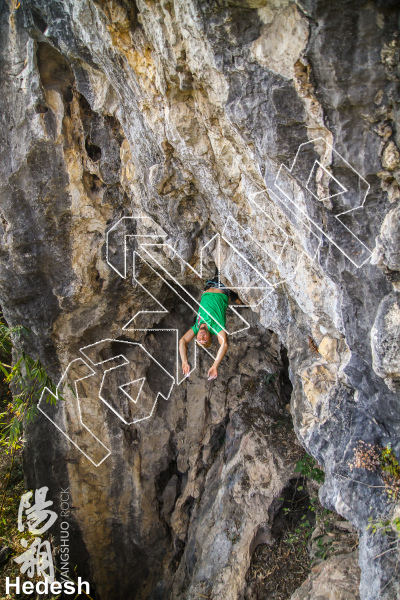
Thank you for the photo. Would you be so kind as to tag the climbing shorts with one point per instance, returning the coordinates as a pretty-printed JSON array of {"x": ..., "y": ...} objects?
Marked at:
[{"x": 213, "y": 283}]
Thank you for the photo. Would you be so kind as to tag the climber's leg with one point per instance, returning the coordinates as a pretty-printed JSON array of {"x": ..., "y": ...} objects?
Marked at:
[{"x": 234, "y": 297}]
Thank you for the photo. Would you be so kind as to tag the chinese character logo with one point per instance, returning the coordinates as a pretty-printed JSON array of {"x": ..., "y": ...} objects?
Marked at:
[{"x": 37, "y": 559}]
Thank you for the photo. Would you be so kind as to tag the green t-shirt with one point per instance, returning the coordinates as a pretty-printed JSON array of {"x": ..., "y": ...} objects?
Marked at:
[{"x": 212, "y": 311}]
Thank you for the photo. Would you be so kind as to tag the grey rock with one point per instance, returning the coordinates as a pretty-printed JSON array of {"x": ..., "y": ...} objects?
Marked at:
[
  {"x": 387, "y": 249},
  {"x": 385, "y": 341},
  {"x": 338, "y": 577}
]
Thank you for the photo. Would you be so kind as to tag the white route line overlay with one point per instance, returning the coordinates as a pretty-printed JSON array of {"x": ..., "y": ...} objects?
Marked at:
[
  {"x": 93, "y": 372},
  {"x": 115, "y": 226},
  {"x": 125, "y": 384},
  {"x": 162, "y": 308},
  {"x": 269, "y": 192},
  {"x": 56, "y": 396},
  {"x": 306, "y": 215}
]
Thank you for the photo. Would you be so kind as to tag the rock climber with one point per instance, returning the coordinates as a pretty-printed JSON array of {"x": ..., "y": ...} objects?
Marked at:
[{"x": 210, "y": 320}]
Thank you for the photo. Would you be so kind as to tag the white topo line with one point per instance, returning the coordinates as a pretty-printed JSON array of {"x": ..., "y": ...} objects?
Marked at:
[{"x": 155, "y": 233}]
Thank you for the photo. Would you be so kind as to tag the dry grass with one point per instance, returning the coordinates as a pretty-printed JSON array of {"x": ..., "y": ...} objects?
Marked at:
[{"x": 277, "y": 571}]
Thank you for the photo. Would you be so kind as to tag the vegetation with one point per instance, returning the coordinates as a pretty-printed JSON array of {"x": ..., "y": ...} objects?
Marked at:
[
  {"x": 26, "y": 379},
  {"x": 316, "y": 515},
  {"x": 304, "y": 532},
  {"x": 270, "y": 378},
  {"x": 385, "y": 526},
  {"x": 389, "y": 527},
  {"x": 307, "y": 467},
  {"x": 10, "y": 537},
  {"x": 383, "y": 462}
]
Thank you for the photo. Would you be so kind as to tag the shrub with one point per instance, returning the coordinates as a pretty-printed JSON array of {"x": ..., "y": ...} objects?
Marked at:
[
  {"x": 307, "y": 467},
  {"x": 382, "y": 461},
  {"x": 27, "y": 377}
]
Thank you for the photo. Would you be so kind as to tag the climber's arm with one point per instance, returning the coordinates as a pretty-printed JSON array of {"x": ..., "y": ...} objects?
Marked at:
[
  {"x": 223, "y": 347},
  {"x": 183, "y": 342}
]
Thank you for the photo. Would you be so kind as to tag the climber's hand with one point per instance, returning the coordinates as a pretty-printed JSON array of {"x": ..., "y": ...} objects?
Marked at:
[
  {"x": 185, "y": 368},
  {"x": 212, "y": 373}
]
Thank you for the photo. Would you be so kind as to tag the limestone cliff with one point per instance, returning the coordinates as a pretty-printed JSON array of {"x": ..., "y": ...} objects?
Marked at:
[{"x": 181, "y": 113}]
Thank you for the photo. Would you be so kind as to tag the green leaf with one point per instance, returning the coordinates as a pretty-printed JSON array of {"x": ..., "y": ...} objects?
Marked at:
[
  {"x": 3, "y": 369},
  {"x": 73, "y": 391}
]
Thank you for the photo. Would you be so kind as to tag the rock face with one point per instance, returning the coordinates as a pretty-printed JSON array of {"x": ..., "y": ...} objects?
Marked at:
[
  {"x": 182, "y": 112},
  {"x": 338, "y": 577},
  {"x": 385, "y": 337}
]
